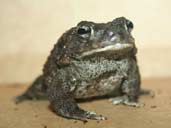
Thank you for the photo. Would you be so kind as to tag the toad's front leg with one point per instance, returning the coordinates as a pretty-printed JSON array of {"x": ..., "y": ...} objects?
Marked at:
[
  {"x": 64, "y": 104},
  {"x": 130, "y": 89}
]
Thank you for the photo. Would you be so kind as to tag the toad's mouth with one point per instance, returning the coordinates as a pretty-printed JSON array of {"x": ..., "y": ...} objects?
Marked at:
[{"x": 115, "y": 48}]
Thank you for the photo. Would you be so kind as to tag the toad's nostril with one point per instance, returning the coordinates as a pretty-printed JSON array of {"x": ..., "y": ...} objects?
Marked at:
[{"x": 130, "y": 25}]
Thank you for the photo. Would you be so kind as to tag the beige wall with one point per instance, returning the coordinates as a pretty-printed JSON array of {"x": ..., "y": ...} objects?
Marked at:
[{"x": 29, "y": 28}]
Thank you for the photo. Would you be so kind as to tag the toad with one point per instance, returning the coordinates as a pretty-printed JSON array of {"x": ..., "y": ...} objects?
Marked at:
[{"x": 89, "y": 60}]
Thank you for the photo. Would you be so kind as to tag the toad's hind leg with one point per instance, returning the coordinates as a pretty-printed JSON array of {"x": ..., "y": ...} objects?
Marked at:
[
  {"x": 35, "y": 92},
  {"x": 64, "y": 104}
]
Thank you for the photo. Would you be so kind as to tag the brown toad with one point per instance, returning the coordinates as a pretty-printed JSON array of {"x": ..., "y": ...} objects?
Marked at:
[{"x": 90, "y": 60}]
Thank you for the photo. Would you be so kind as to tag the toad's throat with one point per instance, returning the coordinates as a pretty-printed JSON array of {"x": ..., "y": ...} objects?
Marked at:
[{"x": 118, "y": 47}]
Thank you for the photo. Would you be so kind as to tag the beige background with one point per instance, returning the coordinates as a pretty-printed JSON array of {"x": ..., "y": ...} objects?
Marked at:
[{"x": 29, "y": 29}]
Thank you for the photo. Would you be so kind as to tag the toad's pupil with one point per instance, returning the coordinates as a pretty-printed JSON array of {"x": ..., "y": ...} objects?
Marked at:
[{"x": 83, "y": 31}]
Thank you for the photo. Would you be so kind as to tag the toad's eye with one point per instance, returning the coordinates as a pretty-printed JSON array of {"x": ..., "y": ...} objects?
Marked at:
[
  {"x": 130, "y": 25},
  {"x": 84, "y": 30}
]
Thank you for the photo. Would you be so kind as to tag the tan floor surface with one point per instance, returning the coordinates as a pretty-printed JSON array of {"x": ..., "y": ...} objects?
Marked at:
[{"x": 31, "y": 114}]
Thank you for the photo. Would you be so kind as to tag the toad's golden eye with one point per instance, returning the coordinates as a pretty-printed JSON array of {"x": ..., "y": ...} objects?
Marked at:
[{"x": 84, "y": 30}]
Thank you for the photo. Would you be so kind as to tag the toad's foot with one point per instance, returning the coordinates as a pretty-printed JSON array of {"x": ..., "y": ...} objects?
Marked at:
[
  {"x": 125, "y": 100},
  {"x": 83, "y": 115},
  {"x": 26, "y": 96},
  {"x": 92, "y": 115},
  {"x": 20, "y": 99}
]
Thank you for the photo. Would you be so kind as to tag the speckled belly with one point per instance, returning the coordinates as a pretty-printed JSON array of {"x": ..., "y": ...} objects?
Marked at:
[{"x": 100, "y": 87}]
